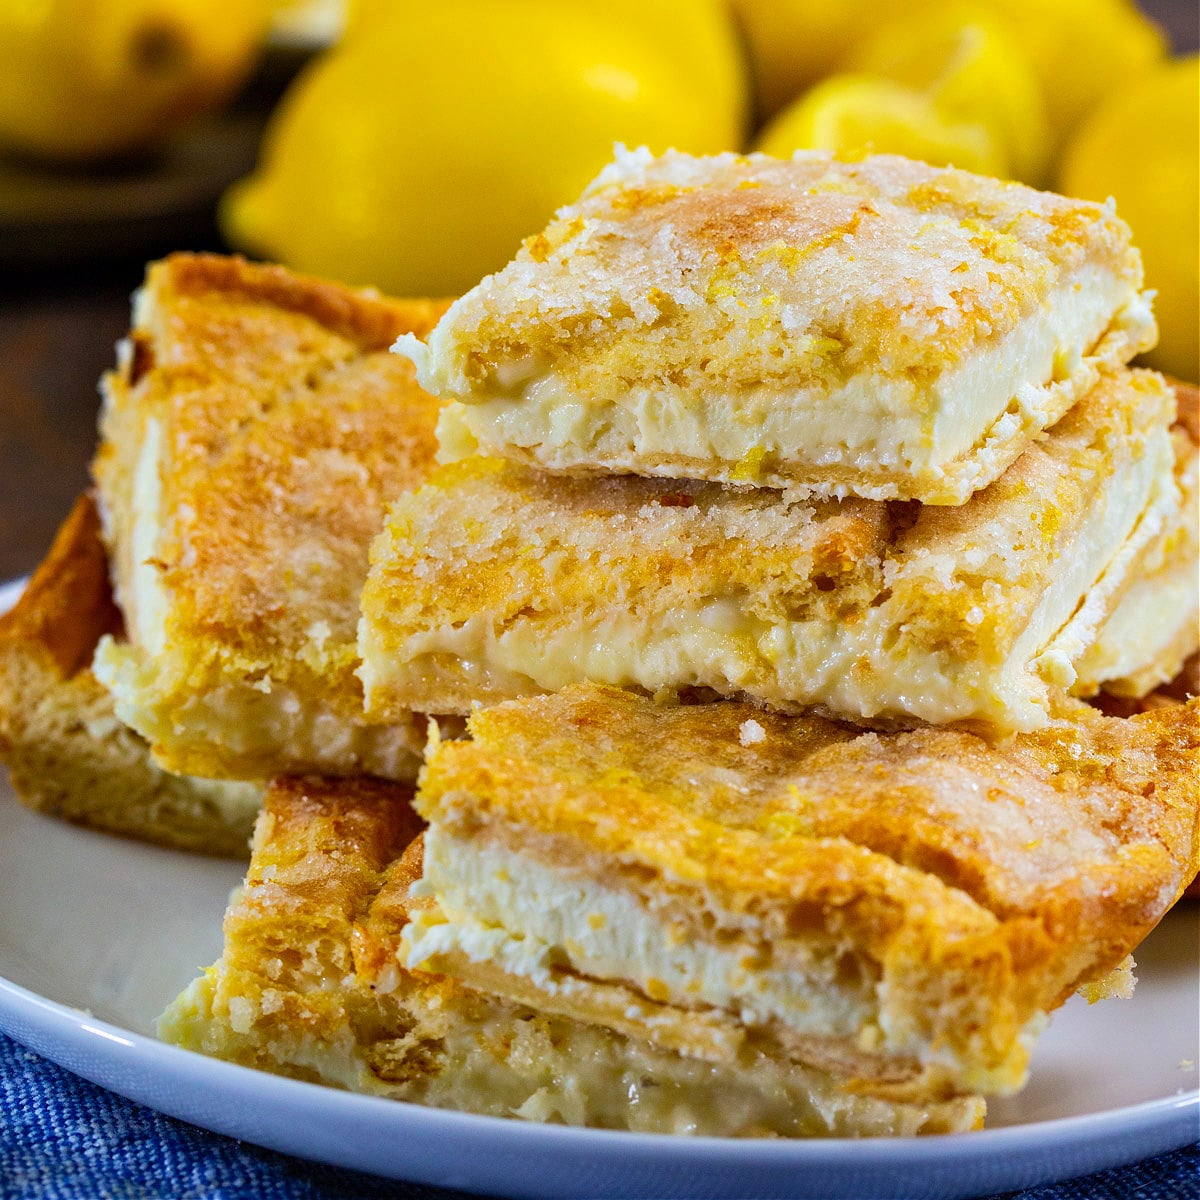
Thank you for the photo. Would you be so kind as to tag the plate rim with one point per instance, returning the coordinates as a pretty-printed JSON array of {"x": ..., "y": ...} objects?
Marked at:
[{"x": 1013, "y": 1156}]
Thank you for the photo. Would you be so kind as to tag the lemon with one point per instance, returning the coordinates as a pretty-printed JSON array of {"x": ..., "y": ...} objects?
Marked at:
[
  {"x": 699, "y": 36},
  {"x": 1081, "y": 51},
  {"x": 793, "y": 43},
  {"x": 91, "y": 79},
  {"x": 1140, "y": 148},
  {"x": 416, "y": 158},
  {"x": 858, "y": 114},
  {"x": 965, "y": 60}
]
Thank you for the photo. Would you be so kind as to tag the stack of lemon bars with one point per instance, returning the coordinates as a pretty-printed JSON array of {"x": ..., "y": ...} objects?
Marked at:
[{"x": 756, "y": 536}]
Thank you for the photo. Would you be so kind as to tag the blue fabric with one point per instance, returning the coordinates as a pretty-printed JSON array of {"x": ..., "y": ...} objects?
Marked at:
[{"x": 62, "y": 1138}]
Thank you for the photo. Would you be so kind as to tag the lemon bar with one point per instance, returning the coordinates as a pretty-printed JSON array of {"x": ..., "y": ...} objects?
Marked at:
[
  {"x": 878, "y": 328},
  {"x": 67, "y": 754},
  {"x": 251, "y": 435},
  {"x": 903, "y": 909},
  {"x": 309, "y": 985},
  {"x": 494, "y": 581}
]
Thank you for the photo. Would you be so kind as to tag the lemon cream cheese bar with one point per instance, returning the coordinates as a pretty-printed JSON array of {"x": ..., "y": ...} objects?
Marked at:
[
  {"x": 494, "y": 581},
  {"x": 901, "y": 909},
  {"x": 309, "y": 984},
  {"x": 67, "y": 754},
  {"x": 251, "y": 436},
  {"x": 878, "y": 328}
]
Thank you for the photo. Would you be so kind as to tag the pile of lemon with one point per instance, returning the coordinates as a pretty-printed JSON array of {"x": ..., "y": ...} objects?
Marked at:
[{"x": 418, "y": 151}]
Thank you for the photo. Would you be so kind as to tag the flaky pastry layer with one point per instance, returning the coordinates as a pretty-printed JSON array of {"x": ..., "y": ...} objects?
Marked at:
[
  {"x": 66, "y": 752},
  {"x": 309, "y": 985},
  {"x": 252, "y": 433}
]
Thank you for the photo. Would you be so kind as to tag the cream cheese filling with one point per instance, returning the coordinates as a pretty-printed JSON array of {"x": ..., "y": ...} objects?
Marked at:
[
  {"x": 504, "y": 910},
  {"x": 143, "y": 598},
  {"x": 1156, "y": 625},
  {"x": 1056, "y": 662},
  {"x": 1146, "y": 640},
  {"x": 870, "y": 423},
  {"x": 497, "y": 906}
]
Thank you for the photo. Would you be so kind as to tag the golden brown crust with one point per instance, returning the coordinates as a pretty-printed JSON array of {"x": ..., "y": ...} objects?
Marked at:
[
  {"x": 1185, "y": 686},
  {"x": 285, "y": 428},
  {"x": 991, "y": 248},
  {"x": 359, "y": 315},
  {"x": 984, "y": 883},
  {"x": 66, "y": 752},
  {"x": 332, "y": 428},
  {"x": 325, "y": 847},
  {"x": 319, "y": 855},
  {"x": 67, "y": 605}
]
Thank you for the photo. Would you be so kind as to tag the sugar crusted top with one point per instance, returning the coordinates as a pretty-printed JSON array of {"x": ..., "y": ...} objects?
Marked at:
[{"x": 811, "y": 264}]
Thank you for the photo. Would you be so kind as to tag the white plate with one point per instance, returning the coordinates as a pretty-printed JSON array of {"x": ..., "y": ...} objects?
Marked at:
[{"x": 98, "y": 934}]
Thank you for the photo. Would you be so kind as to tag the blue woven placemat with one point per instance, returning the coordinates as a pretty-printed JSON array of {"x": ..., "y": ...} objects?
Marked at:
[{"x": 62, "y": 1138}]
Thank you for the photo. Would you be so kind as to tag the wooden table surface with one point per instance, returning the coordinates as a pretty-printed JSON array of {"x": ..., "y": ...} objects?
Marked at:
[
  {"x": 56, "y": 338},
  {"x": 59, "y": 325},
  {"x": 57, "y": 335}
]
